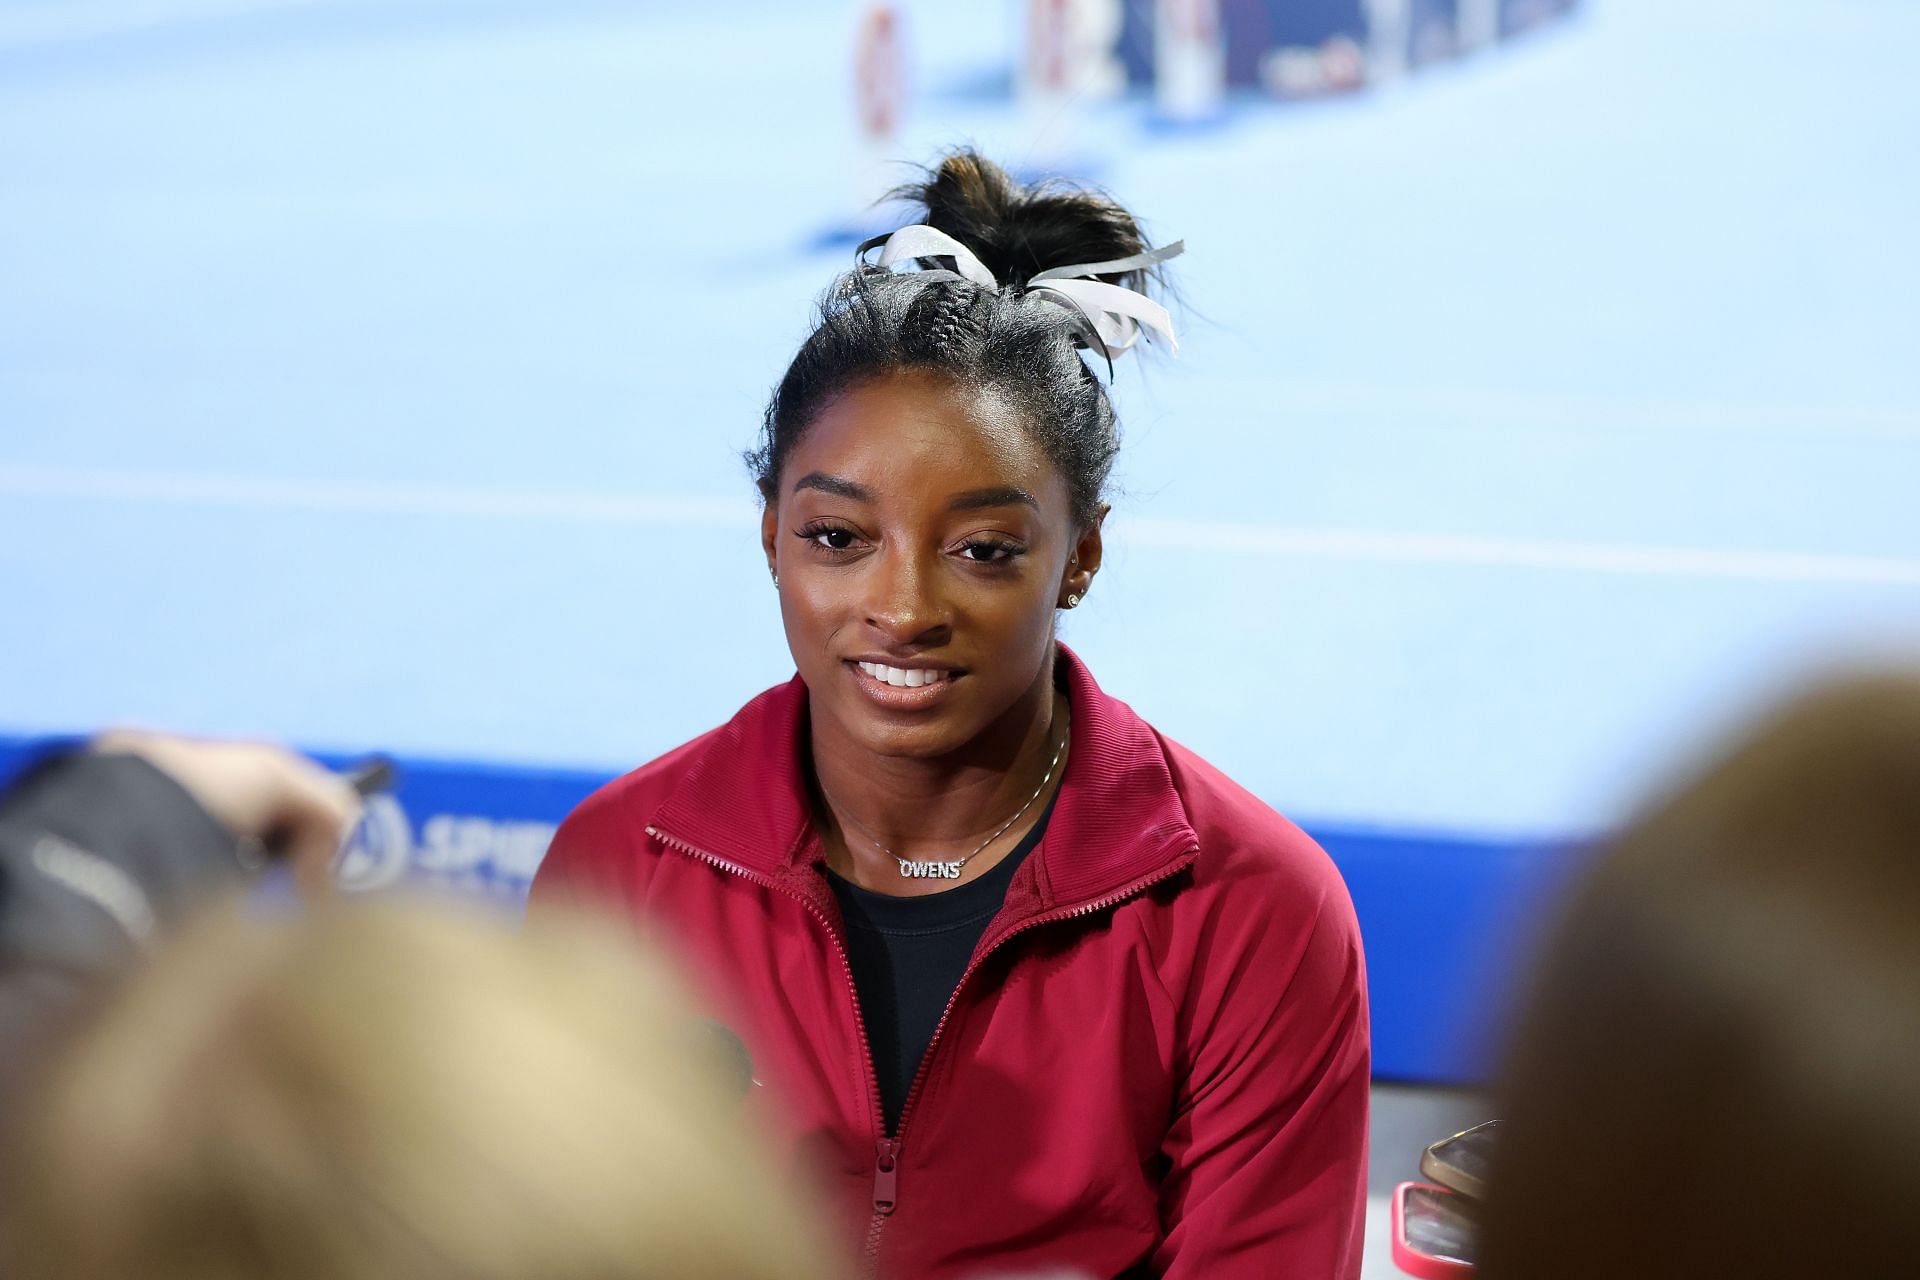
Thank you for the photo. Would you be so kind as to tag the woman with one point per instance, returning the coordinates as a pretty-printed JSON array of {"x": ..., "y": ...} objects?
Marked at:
[
  {"x": 1032, "y": 985},
  {"x": 1716, "y": 1074}
]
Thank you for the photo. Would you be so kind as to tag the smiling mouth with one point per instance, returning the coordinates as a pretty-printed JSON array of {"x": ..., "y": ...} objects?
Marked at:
[{"x": 907, "y": 677}]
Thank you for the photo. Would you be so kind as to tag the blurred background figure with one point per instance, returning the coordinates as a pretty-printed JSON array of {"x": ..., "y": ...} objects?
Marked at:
[
  {"x": 880, "y": 92},
  {"x": 1189, "y": 60},
  {"x": 1715, "y": 1073},
  {"x": 399, "y": 1090},
  {"x": 1068, "y": 64}
]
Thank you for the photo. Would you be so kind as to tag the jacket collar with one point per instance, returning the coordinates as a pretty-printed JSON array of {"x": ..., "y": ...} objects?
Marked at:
[{"x": 1118, "y": 819}]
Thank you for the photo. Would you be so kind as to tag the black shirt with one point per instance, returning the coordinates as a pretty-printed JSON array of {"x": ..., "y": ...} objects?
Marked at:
[{"x": 908, "y": 955}]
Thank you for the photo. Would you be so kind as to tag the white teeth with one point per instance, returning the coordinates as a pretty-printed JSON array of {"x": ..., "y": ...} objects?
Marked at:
[{"x": 902, "y": 677}]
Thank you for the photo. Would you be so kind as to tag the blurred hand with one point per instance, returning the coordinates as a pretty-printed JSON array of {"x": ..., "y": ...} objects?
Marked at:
[{"x": 259, "y": 792}]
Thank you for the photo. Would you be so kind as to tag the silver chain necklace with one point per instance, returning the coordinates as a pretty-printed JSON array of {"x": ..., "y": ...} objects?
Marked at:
[{"x": 913, "y": 869}]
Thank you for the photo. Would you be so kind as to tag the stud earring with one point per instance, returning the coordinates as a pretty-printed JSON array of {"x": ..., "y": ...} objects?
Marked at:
[
  {"x": 776, "y": 582},
  {"x": 1073, "y": 602}
]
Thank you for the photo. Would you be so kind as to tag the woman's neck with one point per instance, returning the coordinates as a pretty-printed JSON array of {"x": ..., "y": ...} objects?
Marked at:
[{"x": 940, "y": 807}]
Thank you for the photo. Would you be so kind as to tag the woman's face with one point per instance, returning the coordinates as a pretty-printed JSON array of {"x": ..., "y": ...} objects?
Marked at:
[{"x": 922, "y": 542}]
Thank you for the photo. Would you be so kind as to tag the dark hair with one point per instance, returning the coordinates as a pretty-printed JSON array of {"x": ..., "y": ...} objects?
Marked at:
[
  {"x": 875, "y": 321},
  {"x": 1715, "y": 1075}
]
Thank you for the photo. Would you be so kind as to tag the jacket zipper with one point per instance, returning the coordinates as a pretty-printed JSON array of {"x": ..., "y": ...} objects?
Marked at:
[
  {"x": 1172, "y": 869},
  {"x": 887, "y": 1147},
  {"x": 892, "y": 1149}
]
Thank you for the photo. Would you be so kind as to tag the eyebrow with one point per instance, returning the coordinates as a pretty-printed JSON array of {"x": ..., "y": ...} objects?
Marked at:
[
  {"x": 1004, "y": 496},
  {"x": 972, "y": 500},
  {"x": 834, "y": 485}
]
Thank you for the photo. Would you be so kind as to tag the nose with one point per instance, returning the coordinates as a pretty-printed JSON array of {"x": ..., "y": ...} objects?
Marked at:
[{"x": 905, "y": 604}]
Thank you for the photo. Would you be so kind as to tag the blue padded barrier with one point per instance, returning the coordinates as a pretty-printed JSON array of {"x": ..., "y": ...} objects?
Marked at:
[{"x": 1444, "y": 919}]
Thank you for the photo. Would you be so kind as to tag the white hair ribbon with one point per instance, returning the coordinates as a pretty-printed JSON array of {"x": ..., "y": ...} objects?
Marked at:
[
  {"x": 1114, "y": 314},
  {"x": 922, "y": 241}
]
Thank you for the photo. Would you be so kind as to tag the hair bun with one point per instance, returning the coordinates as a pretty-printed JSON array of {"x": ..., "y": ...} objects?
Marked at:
[{"x": 1019, "y": 230}]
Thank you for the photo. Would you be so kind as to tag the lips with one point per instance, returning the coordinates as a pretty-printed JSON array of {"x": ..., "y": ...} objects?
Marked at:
[
  {"x": 903, "y": 688},
  {"x": 904, "y": 677}
]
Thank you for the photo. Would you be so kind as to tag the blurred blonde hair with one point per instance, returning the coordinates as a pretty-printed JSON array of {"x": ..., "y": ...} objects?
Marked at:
[{"x": 388, "y": 1090}]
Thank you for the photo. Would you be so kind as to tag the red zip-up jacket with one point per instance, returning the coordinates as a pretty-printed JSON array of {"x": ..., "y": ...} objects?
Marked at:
[{"x": 1156, "y": 1062}]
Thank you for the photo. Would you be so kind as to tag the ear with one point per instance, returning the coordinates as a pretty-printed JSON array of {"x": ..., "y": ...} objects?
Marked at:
[
  {"x": 1084, "y": 562},
  {"x": 770, "y": 536}
]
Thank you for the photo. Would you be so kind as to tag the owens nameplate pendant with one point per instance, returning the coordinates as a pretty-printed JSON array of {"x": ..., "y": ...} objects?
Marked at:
[{"x": 930, "y": 870}]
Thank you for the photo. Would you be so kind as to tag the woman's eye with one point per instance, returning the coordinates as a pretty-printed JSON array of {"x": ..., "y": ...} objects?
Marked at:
[
  {"x": 832, "y": 539},
  {"x": 988, "y": 552}
]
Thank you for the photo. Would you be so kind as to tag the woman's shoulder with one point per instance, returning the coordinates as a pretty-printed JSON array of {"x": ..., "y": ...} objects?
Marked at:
[
  {"x": 632, "y": 798},
  {"x": 1241, "y": 837},
  {"x": 606, "y": 829},
  {"x": 611, "y": 823},
  {"x": 1265, "y": 891},
  {"x": 764, "y": 725},
  {"x": 1243, "y": 844}
]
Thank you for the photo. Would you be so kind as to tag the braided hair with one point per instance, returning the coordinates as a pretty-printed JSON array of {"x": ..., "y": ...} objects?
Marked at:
[{"x": 875, "y": 322}]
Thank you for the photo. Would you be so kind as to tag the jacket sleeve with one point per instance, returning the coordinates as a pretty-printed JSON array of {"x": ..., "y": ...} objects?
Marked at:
[{"x": 1267, "y": 1153}]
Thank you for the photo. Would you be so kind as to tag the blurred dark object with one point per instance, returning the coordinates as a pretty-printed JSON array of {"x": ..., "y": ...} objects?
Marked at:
[
  {"x": 1714, "y": 1075},
  {"x": 104, "y": 849},
  {"x": 371, "y": 776},
  {"x": 98, "y": 853}
]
